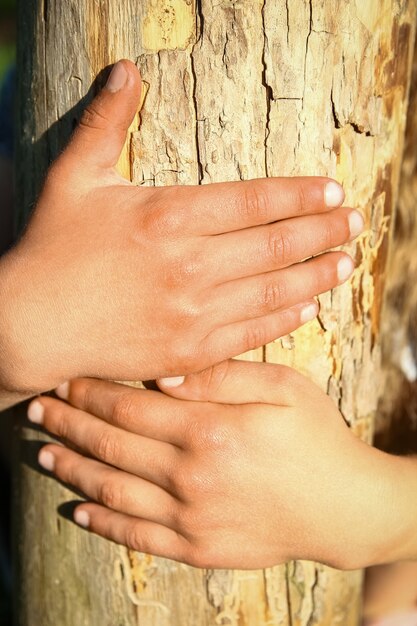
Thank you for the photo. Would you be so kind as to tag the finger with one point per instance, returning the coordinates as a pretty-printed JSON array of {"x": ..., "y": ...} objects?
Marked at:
[
  {"x": 242, "y": 382},
  {"x": 143, "y": 412},
  {"x": 223, "y": 207},
  {"x": 101, "y": 133},
  {"x": 241, "y": 337},
  {"x": 257, "y": 296},
  {"x": 137, "y": 534},
  {"x": 152, "y": 460},
  {"x": 108, "y": 486},
  {"x": 273, "y": 246}
]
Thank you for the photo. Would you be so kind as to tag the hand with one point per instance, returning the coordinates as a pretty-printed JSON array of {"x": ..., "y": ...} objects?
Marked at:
[
  {"x": 116, "y": 281},
  {"x": 255, "y": 467}
]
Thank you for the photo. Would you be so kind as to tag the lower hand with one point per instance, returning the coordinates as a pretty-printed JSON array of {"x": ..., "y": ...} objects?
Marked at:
[{"x": 249, "y": 465}]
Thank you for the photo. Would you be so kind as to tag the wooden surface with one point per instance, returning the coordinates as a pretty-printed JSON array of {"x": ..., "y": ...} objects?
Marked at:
[{"x": 236, "y": 90}]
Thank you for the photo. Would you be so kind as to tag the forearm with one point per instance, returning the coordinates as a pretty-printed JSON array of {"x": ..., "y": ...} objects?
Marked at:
[
  {"x": 15, "y": 376},
  {"x": 404, "y": 503},
  {"x": 386, "y": 527},
  {"x": 10, "y": 398}
]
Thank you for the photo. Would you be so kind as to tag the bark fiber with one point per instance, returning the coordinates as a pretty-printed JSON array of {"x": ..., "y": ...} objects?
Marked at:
[{"x": 235, "y": 90}]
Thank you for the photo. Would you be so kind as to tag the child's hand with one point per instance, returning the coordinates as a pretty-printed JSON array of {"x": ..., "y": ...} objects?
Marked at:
[
  {"x": 116, "y": 281},
  {"x": 256, "y": 469}
]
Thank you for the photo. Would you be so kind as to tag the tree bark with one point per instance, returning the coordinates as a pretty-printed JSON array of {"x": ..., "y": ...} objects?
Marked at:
[{"x": 236, "y": 90}]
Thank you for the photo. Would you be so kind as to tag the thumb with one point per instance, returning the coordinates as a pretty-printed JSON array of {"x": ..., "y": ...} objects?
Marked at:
[
  {"x": 101, "y": 133},
  {"x": 240, "y": 382}
]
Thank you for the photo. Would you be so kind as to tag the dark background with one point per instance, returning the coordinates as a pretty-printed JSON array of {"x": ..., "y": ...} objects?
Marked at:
[{"x": 7, "y": 56}]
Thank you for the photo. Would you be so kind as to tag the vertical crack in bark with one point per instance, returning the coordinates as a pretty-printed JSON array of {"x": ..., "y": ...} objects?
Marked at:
[
  {"x": 311, "y": 618},
  {"x": 45, "y": 8},
  {"x": 199, "y": 29},
  {"x": 268, "y": 89},
  {"x": 336, "y": 120},
  {"x": 287, "y": 7},
  {"x": 307, "y": 44},
  {"x": 288, "y": 592}
]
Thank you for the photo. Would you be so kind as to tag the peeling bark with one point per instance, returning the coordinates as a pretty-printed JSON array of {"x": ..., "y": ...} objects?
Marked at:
[{"x": 259, "y": 88}]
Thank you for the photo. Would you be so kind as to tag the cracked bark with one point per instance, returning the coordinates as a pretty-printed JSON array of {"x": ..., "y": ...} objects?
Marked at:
[{"x": 258, "y": 88}]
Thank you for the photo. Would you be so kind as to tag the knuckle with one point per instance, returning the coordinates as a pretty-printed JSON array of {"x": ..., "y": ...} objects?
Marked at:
[
  {"x": 302, "y": 200},
  {"x": 188, "y": 313},
  {"x": 80, "y": 392},
  {"x": 123, "y": 408},
  {"x": 136, "y": 538},
  {"x": 274, "y": 295},
  {"x": 214, "y": 436},
  {"x": 106, "y": 447},
  {"x": 191, "y": 483},
  {"x": 159, "y": 219},
  {"x": 185, "y": 271},
  {"x": 254, "y": 336},
  {"x": 254, "y": 201},
  {"x": 162, "y": 222},
  {"x": 94, "y": 116},
  {"x": 329, "y": 233},
  {"x": 109, "y": 495},
  {"x": 280, "y": 245},
  {"x": 58, "y": 424}
]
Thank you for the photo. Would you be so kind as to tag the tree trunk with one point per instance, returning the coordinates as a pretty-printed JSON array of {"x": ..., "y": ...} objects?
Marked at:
[{"x": 236, "y": 90}]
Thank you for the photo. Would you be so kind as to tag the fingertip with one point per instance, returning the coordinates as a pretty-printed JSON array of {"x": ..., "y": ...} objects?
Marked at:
[
  {"x": 36, "y": 412},
  {"x": 345, "y": 268},
  {"x": 170, "y": 382},
  {"x": 62, "y": 391},
  {"x": 309, "y": 312},
  {"x": 82, "y": 518},
  {"x": 356, "y": 224},
  {"x": 334, "y": 194},
  {"x": 122, "y": 74},
  {"x": 46, "y": 459}
]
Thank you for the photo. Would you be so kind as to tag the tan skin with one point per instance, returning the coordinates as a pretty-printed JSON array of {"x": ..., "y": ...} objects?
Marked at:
[
  {"x": 178, "y": 475},
  {"x": 115, "y": 281}
]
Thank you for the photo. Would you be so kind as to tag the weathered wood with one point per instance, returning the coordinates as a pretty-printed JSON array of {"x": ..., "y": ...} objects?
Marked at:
[
  {"x": 236, "y": 90},
  {"x": 396, "y": 425}
]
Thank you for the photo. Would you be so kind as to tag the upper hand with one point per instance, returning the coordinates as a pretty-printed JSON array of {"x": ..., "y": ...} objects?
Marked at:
[
  {"x": 117, "y": 281},
  {"x": 253, "y": 467}
]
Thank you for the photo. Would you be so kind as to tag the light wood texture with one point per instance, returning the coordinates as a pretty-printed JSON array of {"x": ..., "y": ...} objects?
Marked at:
[{"x": 236, "y": 90}]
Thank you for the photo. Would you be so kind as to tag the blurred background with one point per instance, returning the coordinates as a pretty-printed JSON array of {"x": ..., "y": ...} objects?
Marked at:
[
  {"x": 7, "y": 34},
  {"x": 7, "y": 76}
]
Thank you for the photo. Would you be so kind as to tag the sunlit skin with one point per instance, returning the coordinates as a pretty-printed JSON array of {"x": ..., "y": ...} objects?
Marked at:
[
  {"x": 116, "y": 281},
  {"x": 245, "y": 465}
]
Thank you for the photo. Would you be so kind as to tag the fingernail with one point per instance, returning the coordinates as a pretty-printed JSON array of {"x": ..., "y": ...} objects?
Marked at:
[
  {"x": 82, "y": 518},
  {"x": 356, "y": 224},
  {"x": 345, "y": 268},
  {"x": 172, "y": 382},
  {"x": 117, "y": 78},
  {"x": 334, "y": 194},
  {"x": 46, "y": 460},
  {"x": 36, "y": 412},
  {"x": 62, "y": 391},
  {"x": 309, "y": 313}
]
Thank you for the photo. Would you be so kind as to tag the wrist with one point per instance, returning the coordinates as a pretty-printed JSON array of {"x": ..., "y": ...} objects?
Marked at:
[
  {"x": 370, "y": 515},
  {"x": 402, "y": 502},
  {"x": 26, "y": 355},
  {"x": 386, "y": 526}
]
